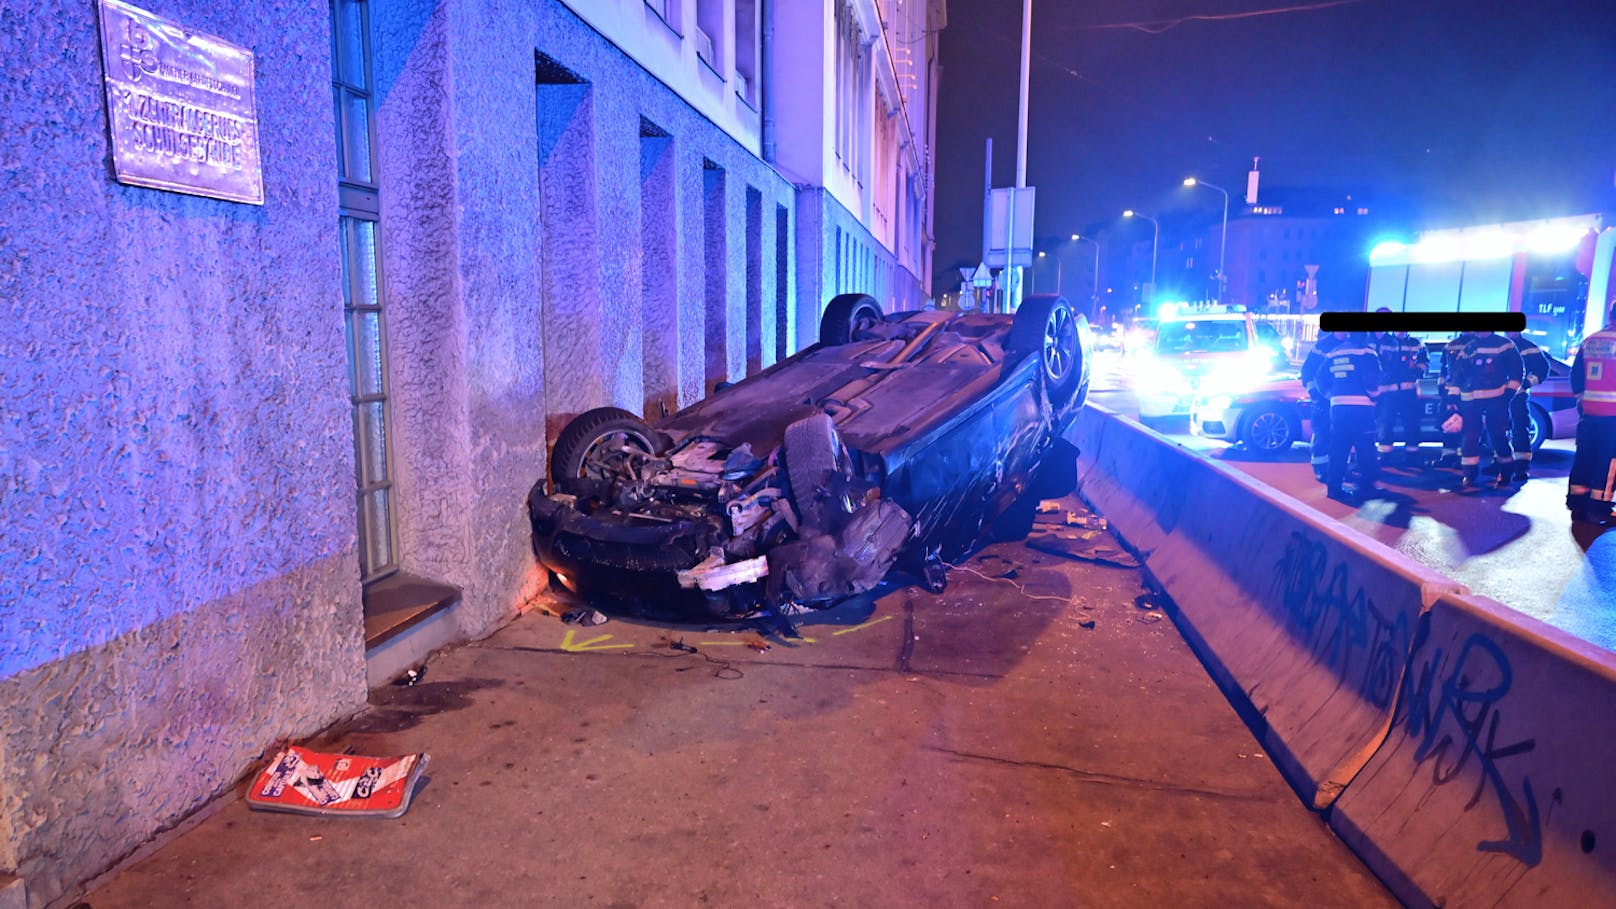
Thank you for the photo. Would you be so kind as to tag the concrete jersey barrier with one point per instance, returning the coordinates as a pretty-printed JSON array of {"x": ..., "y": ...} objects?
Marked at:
[
  {"x": 1310, "y": 622},
  {"x": 1496, "y": 785}
]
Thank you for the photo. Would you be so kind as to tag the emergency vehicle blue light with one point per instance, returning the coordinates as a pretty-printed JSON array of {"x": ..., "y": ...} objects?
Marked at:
[{"x": 1385, "y": 249}]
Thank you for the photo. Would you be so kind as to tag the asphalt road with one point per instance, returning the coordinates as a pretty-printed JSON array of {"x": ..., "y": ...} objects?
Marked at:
[{"x": 1515, "y": 545}]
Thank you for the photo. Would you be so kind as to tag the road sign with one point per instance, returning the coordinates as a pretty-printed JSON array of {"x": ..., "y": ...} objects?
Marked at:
[
  {"x": 981, "y": 277},
  {"x": 1000, "y": 203}
]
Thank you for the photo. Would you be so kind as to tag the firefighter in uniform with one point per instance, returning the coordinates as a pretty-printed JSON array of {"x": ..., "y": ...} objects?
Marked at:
[
  {"x": 1312, "y": 367},
  {"x": 1403, "y": 362},
  {"x": 1535, "y": 365},
  {"x": 1489, "y": 374},
  {"x": 1448, "y": 391},
  {"x": 1593, "y": 468},
  {"x": 1351, "y": 379}
]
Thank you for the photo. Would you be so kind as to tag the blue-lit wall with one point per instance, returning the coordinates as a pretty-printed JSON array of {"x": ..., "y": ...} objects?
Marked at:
[
  {"x": 179, "y": 584},
  {"x": 178, "y": 577}
]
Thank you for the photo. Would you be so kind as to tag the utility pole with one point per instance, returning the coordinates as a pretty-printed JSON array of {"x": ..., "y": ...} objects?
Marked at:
[{"x": 1021, "y": 143}]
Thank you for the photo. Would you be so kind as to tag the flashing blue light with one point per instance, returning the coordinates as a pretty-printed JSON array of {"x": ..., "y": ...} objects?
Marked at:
[
  {"x": 1386, "y": 249},
  {"x": 1167, "y": 310}
]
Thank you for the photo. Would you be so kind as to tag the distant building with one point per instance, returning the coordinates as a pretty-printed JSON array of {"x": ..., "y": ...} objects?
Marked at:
[
  {"x": 258, "y": 455},
  {"x": 1272, "y": 243}
]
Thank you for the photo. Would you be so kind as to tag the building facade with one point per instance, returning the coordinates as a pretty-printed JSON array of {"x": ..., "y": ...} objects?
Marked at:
[{"x": 229, "y": 426}]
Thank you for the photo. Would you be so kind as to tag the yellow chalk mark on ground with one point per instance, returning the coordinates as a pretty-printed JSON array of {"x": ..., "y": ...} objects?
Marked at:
[
  {"x": 572, "y": 646},
  {"x": 864, "y": 626}
]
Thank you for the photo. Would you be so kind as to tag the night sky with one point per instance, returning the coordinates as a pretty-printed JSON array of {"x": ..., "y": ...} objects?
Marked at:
[{"x": 1471, "y": 112}]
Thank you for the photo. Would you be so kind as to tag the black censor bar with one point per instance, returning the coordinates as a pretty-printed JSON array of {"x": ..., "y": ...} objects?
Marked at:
[{"x": 1422, "y": 321}]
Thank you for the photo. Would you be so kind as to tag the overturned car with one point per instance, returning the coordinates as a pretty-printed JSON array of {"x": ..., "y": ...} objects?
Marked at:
[{"x": 898, "y": 441}]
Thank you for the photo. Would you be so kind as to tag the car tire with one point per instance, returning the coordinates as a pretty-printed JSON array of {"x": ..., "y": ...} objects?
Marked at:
[
  {"x": 846, "y": 316},
  {"x": 1542, "y": 427},
  {"x": 1047, "y": 327},
  {"x": 579, "y": 459},
  {"x": 1269, "y": 429},
  {"x": 812, "y": 451}
]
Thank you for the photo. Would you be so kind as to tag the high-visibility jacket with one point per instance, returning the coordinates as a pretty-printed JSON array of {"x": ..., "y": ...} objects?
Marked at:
[
  {"x": 1352, "y": 376},
  {"x": 1593, "y": 374},
  {"x": 1447, "y": 381},
  {"x": 1403, "y": 361},
  {"x": 1490, "y": 367},
  {"x": 1534, "y": 362},
  {"x": 1313, "y": 363}
]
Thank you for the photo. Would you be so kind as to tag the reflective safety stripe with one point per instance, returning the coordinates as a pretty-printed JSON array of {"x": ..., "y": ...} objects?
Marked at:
[
  {"x": 1523, "y": 455},
  {"x": 1448, "y": 452},
  {"x": 1504, "y": 458},
  {"x": 1482, "y": 394},
  {"x": 1469, "y": 461},
  {"x": 1578, "y": 490},
  {"x": 1383, "y": 449},
  {"x": 1364, "y": 400},
  {"x": 1603, "y": 397}
]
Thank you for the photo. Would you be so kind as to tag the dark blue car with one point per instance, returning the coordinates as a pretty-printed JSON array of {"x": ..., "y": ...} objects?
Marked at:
[{"x": 898, "y": 441}]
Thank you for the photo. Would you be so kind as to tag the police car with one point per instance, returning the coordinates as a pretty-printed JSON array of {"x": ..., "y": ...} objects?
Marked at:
[
  {"x": 1207, "y": 351},
  {"x": 1552, "y": 405},
  {"x": 1272, "y": 415}
]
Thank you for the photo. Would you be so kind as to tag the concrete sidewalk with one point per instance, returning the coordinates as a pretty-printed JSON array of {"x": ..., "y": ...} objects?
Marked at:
[{"x": 1041, "y": 739}]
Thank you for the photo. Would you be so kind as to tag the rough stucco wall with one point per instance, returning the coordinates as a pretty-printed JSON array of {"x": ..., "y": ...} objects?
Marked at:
[
  {"x": 819, "y": 215},
  {"x": 426, "y": 335},
  {"x": 175, "y": 450},
  {"x": 513, "y": 268}
]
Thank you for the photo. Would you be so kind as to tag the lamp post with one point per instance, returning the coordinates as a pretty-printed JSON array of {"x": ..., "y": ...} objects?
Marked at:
[
  {"x": 1223, "y": 238},
  {"x": 1155, "y": 240},
  {"x": 1094, "y": 300},
  {"x": 1059, "y": 280}
]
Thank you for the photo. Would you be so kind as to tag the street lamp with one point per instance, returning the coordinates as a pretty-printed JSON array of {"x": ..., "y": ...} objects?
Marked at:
[
  {"x": 1155, "y": 239},
  {"x": 1223, "y": 239},
  {"x": 1095, "y": 300},
  {"x": 1059, "y": 280}
]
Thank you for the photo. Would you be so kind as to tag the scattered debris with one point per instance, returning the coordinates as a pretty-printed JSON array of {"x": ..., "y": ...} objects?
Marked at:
[
  {"x": 411, "y": 676},
  {"x": 680, "y": 646},
  {"x": 1086, "y": 624},
  {"x": 302, "y": 781},
  {"x": 585, "y": 617},
  {"x": 1146, "y": 600},
  {"x": 1086, "y": 545},
  {"x": 760, "y": 645}
]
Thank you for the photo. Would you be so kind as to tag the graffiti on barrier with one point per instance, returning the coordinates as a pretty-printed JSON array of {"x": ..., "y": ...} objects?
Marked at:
[
  {"x": 1338, "y": 620},
  {"x": 1452, "y": 711}
]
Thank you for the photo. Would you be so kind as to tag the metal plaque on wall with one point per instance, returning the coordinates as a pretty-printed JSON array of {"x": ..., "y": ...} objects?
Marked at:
[{"x": 180, "y": 106}]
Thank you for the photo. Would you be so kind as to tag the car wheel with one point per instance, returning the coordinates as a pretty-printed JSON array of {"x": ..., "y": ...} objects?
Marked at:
[
  {"x": 599, "y": 445},
  {"x": 1269, "y": 429},
  {"x": 1047, "y": 327},
  {"x": 812, "y": 451},
  {"x": 846, "y": 316},
  {"x": 1541, "y": 428}
]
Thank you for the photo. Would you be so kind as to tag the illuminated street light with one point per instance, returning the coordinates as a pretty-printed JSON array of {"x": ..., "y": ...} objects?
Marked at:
[
  {"x": 1155, "y": 240},
  {"x": 1223, "y": 240}
]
